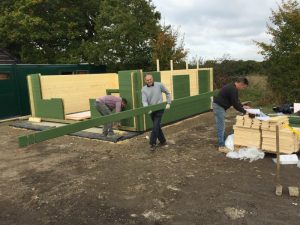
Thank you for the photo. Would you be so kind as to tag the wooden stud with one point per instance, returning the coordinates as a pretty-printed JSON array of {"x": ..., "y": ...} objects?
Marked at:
[
  {"x": 157, "y": 65},
  {"x": 31, "y": 97},
  {"x": 278, "y": 185}
]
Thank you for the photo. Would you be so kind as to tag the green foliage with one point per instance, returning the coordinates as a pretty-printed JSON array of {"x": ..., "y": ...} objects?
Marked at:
[
  {"x": 124, "y": 31},
  {"x": 120, "y": 34},
  {"x": 166, "y": 46},
  {"x": 258, "y": 91},
  {"x": 226, "y": 69},
  {"x": 283, "y": 53},
  {"x": 44, "y": 31}
]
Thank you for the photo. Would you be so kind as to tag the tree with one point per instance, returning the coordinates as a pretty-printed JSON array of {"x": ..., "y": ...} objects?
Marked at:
[
  {"x": 166, "y": 46},
  {"x": 44, "y": 31},
  {"x": 120, "y": 34},
  {"x": 124, "y": 30},
  {"x": 283, "y": 53}
]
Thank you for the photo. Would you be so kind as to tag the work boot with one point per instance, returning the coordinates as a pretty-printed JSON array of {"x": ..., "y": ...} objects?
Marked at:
[
  {"x": 111, "y": 135},
  {"x": 152, "y": 148},
  {"x": 163, "y": 144},
  {"x": 223, "y": 149}
]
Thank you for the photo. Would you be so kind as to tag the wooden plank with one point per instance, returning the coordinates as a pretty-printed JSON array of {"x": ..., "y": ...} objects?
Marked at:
[
  {"x": 79, "y": 116},
  {"x": 31, "y": 96},
  {"x": 71, "y": 128},
  {"x": 166, "y": 79}
]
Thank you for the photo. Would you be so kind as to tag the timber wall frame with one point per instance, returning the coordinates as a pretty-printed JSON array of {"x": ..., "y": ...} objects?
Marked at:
[
  {"x": 183, "y": 84},
  {"x": 75, "y": 127}
]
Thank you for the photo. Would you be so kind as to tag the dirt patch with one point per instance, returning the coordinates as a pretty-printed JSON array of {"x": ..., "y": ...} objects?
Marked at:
[{"x": 71, "y": 180}]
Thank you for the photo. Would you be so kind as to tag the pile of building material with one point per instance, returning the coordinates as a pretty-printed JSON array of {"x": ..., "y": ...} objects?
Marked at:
[{"x": 262, "y": 134}]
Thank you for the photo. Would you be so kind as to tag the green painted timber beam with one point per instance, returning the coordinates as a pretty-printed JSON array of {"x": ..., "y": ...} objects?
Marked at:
[
  {"x": 75, "y": 127},
  {"x": 110, "y": 91}
]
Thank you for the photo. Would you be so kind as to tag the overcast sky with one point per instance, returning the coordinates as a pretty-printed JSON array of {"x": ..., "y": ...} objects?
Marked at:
[{"x": 212, "y": 28}]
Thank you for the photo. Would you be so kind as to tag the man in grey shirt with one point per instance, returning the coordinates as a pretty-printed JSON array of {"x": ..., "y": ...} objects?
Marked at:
[{"x": 151, "y": 95}]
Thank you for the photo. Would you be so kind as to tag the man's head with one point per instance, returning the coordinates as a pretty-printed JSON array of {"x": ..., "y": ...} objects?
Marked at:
[
  {"x": 241, "y": 83},
  {"x": 124, "y": 103},
  {"x": 149, "y": 80}
]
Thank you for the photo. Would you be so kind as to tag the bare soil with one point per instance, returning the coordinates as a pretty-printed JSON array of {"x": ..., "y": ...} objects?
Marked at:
[{"x": 70, "y": 181}]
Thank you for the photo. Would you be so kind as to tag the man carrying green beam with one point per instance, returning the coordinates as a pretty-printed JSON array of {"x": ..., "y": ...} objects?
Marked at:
[
  {"x": 152, "y": 95},
  {"x": 37, "y": 137}
]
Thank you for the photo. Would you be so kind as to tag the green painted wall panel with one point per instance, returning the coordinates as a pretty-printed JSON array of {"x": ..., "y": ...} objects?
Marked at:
[
  {"x": 18, "y": 93},
  {"x": 181, "y": 86},
  {"x": 52, "y": 108},
  {"x": 204, "y": 81}
]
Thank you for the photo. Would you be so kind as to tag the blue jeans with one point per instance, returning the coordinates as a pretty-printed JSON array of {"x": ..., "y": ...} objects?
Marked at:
[
  {"x": 156, "y": 129},
  {"x": 219, "y": 113}
]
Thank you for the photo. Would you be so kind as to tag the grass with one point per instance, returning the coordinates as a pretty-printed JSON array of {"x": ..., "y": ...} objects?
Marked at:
[{"x": 258, "y": 93}]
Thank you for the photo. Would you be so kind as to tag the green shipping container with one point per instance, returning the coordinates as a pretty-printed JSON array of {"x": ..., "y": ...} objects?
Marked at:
[{"x": 14, "y": 100}]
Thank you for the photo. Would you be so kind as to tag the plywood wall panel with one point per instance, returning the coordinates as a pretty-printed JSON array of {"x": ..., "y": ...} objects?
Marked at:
[{"x": 76, "y": 90}]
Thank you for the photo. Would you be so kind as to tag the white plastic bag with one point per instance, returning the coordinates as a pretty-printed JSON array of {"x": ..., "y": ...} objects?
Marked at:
[
  {"x": 251, "y": 153},
  {"x": 229, "y": 143}
]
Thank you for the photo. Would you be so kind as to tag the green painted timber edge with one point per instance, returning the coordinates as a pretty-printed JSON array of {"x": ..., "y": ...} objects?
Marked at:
[
  {"x": 181, "y": 86},
  {"x": 203, "y": 81},
  {"x": 125, "y": 87},
  {"x": 94, "y": 111},
  {"x": 110, "y": 91},
  {"x": 52, "y": 108},
  {"x": 75, "y": 127},
  {"x": 137, "y": 95}
]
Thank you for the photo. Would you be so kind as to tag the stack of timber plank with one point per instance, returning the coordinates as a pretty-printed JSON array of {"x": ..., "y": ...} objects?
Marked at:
[
  {"x": 288, "y": 141},
  {"x": 246, "y": 132},
  {"x": 262, "y": 134}
]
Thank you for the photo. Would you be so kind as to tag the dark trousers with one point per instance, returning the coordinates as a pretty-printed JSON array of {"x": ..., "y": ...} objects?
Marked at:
[
  {"x": 104, "y": 111},
  {"x": 156, "y": 130}
]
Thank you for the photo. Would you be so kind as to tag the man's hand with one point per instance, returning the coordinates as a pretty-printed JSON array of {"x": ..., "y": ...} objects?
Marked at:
[
  {"x": 119, "y": 125},
  {"x": 168, "y": 106},
  {"x": 149, "y": 112}
]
